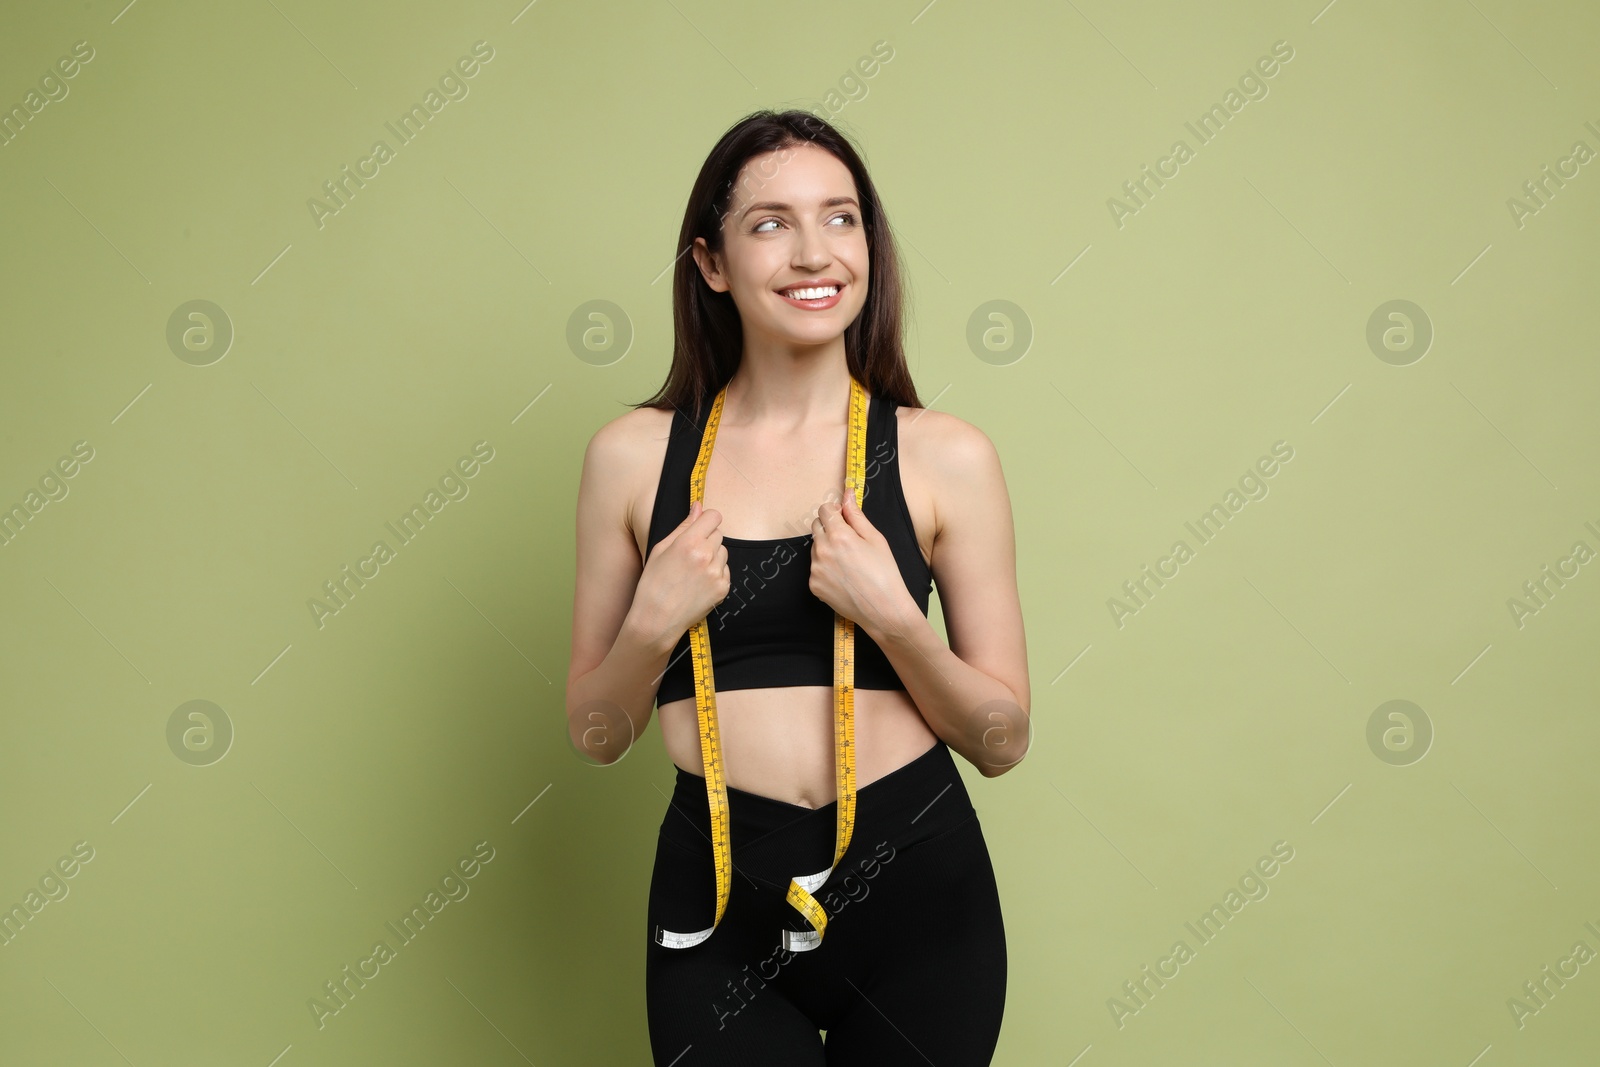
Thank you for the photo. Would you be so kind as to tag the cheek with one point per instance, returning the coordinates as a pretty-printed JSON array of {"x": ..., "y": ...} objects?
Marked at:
[
  {"x": 860, "y": 265},
  {"x": 861, "y": 287},
  {"x": 749, "y": 292}
]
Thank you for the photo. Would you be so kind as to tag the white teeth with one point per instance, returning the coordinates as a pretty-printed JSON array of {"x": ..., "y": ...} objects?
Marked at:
[{"x": 812, "y": 294}]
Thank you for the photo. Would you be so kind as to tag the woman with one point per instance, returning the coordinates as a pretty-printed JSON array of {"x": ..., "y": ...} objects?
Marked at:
[{"x": 788, "y": 327}]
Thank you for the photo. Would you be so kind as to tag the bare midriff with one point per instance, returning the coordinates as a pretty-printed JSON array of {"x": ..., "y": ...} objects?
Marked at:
[{"x": 778, "y": 742}]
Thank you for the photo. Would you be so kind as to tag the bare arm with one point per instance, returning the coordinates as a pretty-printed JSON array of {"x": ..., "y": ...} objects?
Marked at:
[
  {"x": 618, "y": 656},
  {"x": 975, "y": 693},
  {"x": 628, "y": 614}
]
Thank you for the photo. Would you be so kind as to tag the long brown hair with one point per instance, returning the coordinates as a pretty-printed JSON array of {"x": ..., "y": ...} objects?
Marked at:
[{"x": 708, "y": 337}]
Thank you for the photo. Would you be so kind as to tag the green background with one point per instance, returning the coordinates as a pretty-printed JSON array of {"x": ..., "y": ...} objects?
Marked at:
[{"x": 1229, "y": 312}]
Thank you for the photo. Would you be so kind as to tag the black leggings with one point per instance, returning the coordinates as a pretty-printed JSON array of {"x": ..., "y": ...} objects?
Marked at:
[{"x": 911, "y": 970}]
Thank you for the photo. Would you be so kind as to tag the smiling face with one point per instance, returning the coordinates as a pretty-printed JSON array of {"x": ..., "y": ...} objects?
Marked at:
[{"x": 794, "y": 254}]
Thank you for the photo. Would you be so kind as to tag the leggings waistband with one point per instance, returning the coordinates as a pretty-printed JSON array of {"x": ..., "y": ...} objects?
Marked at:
[{"x": 773, "y": 840}]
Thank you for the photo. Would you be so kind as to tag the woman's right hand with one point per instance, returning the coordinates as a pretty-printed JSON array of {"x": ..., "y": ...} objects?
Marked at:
[{"x": 685, "y": 576}]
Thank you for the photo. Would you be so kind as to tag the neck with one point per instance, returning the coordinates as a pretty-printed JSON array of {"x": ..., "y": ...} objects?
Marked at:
[{"x": 791, "y": 387}]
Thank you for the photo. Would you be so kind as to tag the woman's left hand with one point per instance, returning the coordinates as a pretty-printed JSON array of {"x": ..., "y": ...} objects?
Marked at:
[{"x": 853, "y": 569}]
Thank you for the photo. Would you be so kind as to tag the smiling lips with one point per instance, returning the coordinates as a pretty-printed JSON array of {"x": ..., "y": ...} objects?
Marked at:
[{"x": 813, "y": 297}]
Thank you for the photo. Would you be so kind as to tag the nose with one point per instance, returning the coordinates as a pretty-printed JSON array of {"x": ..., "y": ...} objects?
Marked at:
[{"x": 811, "y": 251}]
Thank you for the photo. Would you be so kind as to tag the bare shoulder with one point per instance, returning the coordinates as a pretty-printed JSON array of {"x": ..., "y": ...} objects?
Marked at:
[
  {"x": 623, "y": 436},
  {"x": 623, "y": 461},
  {"x": 945, "y": 462},
  {"x": 938, "y": 437}
]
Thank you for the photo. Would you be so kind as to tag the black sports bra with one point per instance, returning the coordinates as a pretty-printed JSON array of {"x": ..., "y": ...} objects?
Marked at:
[{"x": 771, "y": 630}]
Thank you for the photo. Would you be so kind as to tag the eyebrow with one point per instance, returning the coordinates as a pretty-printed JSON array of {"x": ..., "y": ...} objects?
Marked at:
[{"x": 774, "y": 205}]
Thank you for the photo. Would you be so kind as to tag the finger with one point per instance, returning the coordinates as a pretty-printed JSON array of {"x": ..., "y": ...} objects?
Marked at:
[
  {"x": 707, "y": 523},
  {"x": 688, "y": 520},
  {"x": 854, "y": 517}
]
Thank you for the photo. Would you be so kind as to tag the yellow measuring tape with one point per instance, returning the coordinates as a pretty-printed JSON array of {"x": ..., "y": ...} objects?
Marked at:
[{"x": 844, "y": 720}]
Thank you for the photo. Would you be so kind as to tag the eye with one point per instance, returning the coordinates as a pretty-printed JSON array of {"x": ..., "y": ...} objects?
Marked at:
[{"x": 847, "y": 217}]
